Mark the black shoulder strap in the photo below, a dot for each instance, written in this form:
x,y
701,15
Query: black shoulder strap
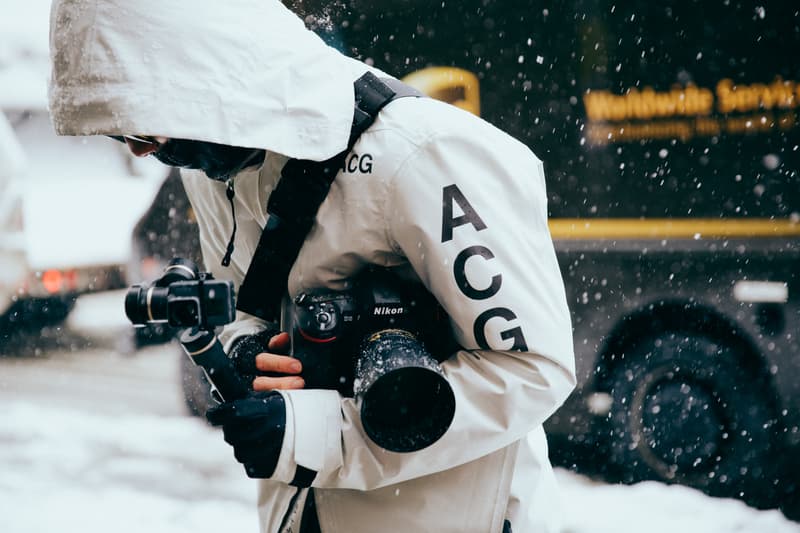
x,y
294,203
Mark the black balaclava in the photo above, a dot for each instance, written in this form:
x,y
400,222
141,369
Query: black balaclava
x,y
219,161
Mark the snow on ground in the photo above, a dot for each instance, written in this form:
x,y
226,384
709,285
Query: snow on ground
x,y
82,472
651,507
73,471
72,467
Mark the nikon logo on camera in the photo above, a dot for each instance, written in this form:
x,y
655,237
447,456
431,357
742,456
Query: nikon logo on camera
x,y
383,310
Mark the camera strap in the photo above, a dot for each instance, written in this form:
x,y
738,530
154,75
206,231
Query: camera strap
x,y
293,204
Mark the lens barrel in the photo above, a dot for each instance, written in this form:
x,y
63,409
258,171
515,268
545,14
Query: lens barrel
x,y
405,400
146,304
135,309
178,269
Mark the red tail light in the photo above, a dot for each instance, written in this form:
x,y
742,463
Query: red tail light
x,y
53,281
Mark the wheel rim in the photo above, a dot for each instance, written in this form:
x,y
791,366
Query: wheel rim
x,y
679,425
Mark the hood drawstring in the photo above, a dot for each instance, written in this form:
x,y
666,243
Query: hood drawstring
x,y
229,192
256,157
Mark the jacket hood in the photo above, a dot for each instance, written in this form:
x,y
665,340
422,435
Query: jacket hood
x,y
240,72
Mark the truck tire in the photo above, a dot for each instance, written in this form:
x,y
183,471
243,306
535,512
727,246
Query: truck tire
x,y
686,411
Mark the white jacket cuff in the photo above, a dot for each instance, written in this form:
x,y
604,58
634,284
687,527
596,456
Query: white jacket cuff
x,y
313,432
286,467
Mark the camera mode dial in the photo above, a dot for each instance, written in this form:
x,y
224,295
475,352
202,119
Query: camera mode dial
x,y
318,321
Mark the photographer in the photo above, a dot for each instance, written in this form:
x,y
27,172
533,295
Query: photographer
x,y
230,91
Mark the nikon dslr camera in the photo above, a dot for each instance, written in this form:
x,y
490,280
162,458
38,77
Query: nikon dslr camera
x,y
373,342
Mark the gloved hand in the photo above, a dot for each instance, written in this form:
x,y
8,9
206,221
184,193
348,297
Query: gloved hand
x,y
245,349
255,427
272,370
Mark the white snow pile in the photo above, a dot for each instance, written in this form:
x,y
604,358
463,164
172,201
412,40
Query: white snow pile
x,y
78,472
75,472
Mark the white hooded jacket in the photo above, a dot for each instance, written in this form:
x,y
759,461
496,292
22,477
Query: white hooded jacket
x,y
429,190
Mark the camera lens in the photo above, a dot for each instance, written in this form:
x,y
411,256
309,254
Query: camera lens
x,y
183,311
408,409
406,402
146,304
178,269
136,305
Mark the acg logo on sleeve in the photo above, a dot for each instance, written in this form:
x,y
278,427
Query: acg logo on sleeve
x,y
452,194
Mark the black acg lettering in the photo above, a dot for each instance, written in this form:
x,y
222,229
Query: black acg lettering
x,y
460,272
479,329
452,194
357,163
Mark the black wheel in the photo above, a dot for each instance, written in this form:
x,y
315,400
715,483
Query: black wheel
x,y
686,411
195,386
32,314
152,334
138,338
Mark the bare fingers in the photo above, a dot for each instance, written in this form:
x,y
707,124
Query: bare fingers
x,y
286,367
279,343
263,383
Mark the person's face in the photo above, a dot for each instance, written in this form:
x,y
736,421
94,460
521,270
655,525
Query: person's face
x,y
218,161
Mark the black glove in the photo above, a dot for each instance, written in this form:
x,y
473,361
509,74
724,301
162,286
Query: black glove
x,y
254,426
244,351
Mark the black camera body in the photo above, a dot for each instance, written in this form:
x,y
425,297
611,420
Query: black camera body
x,y
376,342
183,297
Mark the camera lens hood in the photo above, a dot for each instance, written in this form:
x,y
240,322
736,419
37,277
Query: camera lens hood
x,y
405,400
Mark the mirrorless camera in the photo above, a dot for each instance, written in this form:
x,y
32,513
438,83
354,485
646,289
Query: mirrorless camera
x,y
183,297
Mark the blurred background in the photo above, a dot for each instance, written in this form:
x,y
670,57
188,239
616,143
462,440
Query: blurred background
x,y
671,144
